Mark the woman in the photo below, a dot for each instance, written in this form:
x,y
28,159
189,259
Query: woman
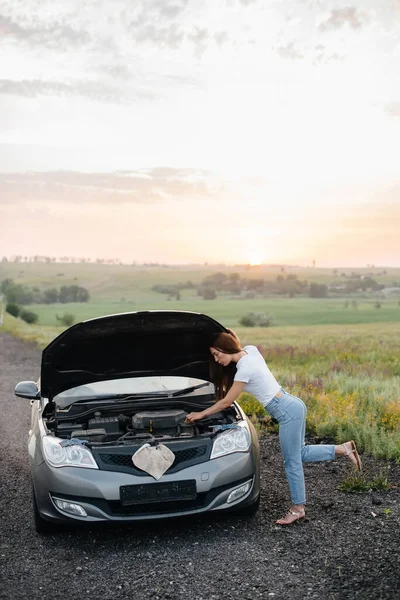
x,y
237,369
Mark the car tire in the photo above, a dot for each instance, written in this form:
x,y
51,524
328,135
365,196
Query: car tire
x,y
249,511
41,525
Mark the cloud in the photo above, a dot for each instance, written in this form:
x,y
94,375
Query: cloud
x,y
162,24
342,16
199,35
149,186
10,29
95,90
116,71
289,51
169,10
221,37
52,35
59,27
151,23
171,36
321,56
393,109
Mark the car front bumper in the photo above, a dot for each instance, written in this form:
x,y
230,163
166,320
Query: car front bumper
x,y
98,492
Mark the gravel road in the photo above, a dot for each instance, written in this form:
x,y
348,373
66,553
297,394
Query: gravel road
x,y
341,551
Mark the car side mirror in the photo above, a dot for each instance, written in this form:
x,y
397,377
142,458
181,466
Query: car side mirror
x,y
27,389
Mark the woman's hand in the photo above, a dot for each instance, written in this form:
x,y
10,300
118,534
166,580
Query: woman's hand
x,y
194,416
234,393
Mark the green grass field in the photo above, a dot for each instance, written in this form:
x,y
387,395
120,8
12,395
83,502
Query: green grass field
x,y
285,311
111,283
115,289
344,362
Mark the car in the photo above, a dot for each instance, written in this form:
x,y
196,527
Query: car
x,y
117,384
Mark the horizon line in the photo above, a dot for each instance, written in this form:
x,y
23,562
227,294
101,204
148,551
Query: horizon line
x,y
43,259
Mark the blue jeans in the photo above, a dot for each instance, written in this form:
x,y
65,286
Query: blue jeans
x,y
291,412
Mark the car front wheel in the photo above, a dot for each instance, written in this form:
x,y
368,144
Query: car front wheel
x,y
41,525
249,511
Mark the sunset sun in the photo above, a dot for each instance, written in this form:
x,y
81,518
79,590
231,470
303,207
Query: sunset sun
x,y
254,259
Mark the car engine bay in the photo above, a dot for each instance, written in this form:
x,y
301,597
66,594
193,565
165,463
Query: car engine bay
x,y
101,426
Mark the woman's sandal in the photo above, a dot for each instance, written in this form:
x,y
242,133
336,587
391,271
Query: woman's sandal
x,y
298,514
353,450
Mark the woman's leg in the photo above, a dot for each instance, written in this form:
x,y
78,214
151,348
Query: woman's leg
x,y
311,453
291,439
318,452
291,415
323,452
290,412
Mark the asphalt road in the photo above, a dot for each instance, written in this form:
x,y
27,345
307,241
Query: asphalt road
x,y
341,550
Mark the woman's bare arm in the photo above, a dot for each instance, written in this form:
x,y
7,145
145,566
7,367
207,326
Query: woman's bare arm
x,y
231,396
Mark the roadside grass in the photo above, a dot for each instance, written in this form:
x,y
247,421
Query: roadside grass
x,y
37,334
348,377
358,482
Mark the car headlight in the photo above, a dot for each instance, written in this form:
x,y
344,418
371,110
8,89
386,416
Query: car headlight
x,y
70,456
232,440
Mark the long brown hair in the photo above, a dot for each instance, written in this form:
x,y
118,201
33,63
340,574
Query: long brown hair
x,y
222,377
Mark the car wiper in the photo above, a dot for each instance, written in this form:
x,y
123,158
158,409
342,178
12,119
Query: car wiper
x,y
111,398
188,390
117,398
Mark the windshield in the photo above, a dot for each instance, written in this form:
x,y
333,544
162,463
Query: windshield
x,y
132,385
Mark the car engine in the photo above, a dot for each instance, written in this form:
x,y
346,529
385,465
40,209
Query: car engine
x,y
144,425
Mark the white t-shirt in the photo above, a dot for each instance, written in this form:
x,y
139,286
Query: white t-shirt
x,y
253,371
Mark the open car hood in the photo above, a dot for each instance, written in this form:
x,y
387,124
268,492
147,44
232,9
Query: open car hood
x,y
136,344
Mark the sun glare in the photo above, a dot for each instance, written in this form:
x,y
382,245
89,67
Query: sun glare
x,y
254,259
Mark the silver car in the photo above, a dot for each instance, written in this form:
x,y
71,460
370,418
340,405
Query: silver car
x,y
113,385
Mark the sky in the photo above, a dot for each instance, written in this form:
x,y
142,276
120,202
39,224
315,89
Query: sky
x,y
180,131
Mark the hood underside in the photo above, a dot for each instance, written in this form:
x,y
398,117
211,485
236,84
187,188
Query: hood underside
x,y
129,345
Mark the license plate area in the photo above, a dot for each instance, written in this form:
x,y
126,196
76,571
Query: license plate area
x,y
158,492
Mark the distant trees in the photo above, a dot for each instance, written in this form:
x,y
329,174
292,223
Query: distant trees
x,y
13,309
173,291
61,259
17,293
209,293
16,311
29,317
284,284
162,288
251,319
51,296
73,293
363,284
66,319
318,290
234,284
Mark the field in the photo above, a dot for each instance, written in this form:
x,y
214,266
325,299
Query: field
x,y
115,289
344,362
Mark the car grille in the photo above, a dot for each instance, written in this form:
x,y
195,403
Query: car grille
x,y
180,457
116,507
122,460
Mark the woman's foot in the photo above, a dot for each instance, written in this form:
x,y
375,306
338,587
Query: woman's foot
x,y
294,514
349,449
